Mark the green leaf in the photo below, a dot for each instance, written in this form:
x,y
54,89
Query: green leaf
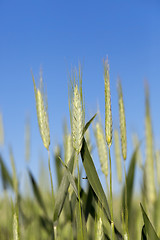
x,y
46,224
130,181
88,123
143,234
6,177
37,192
70,178
81,226
95,183
57,154
148,226
93,178
63,190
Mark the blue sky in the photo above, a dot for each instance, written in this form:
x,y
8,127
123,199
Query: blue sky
x,y
56,35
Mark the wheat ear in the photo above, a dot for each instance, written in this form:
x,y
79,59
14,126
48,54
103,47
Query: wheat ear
x,y
122,119
42,114
118,155
108,112
102,148
149,163
77,120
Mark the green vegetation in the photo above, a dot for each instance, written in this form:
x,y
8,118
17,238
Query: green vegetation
x,y
70,211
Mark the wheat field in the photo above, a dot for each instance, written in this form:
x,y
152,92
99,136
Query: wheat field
x,y
68,210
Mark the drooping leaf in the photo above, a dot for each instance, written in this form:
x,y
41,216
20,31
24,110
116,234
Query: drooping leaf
x,y
148,225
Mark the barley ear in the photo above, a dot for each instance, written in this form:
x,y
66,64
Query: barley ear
x,y
122,119
108,112
42,114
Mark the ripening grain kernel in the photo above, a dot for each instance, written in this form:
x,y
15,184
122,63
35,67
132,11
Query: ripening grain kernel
x,y
122,122
118,155
108,112
77,121
102,148
42,115
149,163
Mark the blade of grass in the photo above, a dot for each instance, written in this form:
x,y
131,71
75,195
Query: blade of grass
x,y
130,182
95,183
143,234
148,225
63,190
93,178
7,180
70,178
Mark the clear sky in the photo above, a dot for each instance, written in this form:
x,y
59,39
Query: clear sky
x,y
56,35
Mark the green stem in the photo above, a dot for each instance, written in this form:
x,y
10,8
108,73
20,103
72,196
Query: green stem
x,y
111,199
79,199
49,166
126,205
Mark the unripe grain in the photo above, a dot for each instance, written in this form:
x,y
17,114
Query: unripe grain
x,y
102,148
77,121
122,119
149,163
118,155
42,115
108,112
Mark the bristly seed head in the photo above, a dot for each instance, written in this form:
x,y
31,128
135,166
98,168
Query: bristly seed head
x,y
42,114
108,112
77,120
102,148
122,122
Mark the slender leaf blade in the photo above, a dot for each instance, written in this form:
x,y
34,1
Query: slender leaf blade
x,y
148,225
93,177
